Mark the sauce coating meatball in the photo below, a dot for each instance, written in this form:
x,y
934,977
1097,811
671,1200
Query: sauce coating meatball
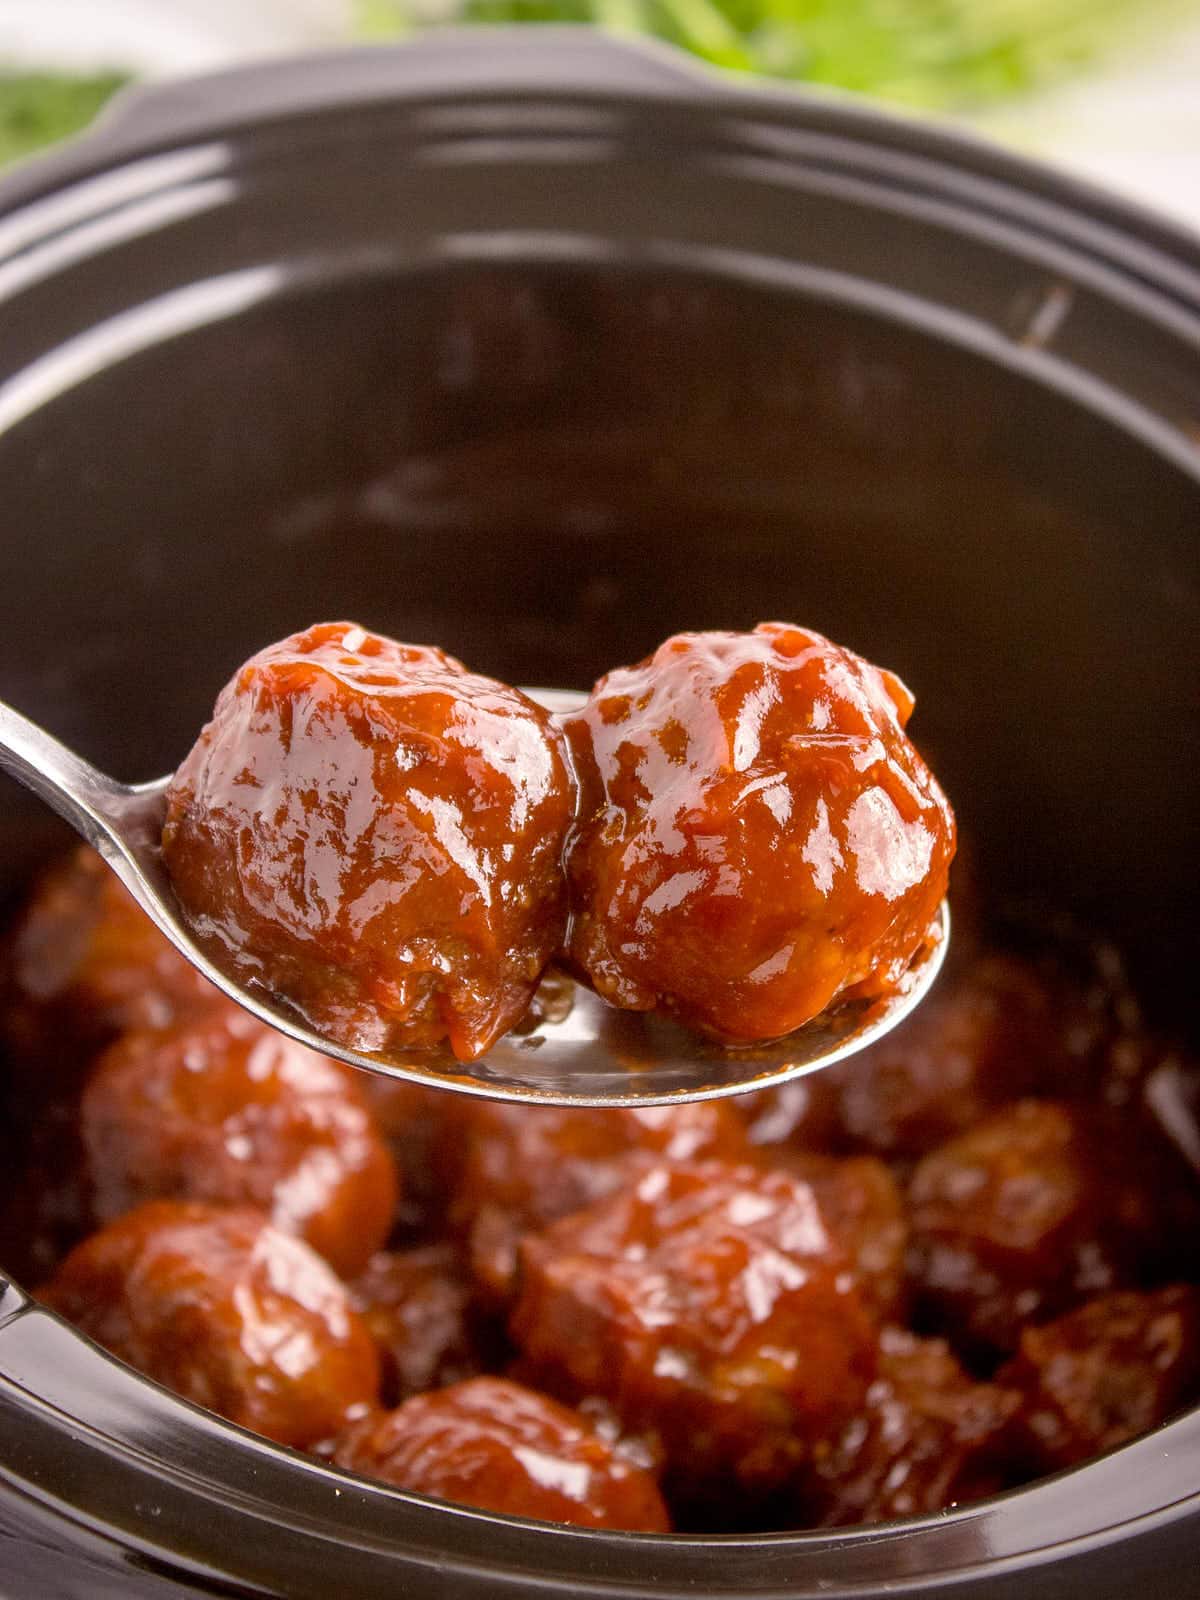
x,y
85,963
421,1309
373,832
980,1039
228,1312
995,1027
927,1437
80,965
497,1445
224,1109
525,1166
757,835
423,1129
708,1302
1033,1209
863,1208
1105,1372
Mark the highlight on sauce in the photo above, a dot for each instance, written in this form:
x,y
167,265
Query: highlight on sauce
x,y
962,1259
737,830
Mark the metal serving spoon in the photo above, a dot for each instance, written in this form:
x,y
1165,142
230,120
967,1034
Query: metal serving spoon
x,y
573,1049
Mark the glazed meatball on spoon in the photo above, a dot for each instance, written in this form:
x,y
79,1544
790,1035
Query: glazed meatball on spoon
x,y
724,867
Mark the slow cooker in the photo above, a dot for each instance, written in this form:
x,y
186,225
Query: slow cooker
x,y
542,347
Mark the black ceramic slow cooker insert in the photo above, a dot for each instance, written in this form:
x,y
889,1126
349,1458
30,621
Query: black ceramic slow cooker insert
x,y
542,348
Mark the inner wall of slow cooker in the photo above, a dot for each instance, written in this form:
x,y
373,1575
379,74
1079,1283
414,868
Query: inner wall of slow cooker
x,y
546,470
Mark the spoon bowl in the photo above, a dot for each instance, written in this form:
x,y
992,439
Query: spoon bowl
x,y
573,1048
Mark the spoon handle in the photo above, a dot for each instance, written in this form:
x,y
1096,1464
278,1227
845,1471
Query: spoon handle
x,y
85,797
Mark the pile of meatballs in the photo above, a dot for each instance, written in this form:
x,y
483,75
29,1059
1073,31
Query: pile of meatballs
x,y
964,1258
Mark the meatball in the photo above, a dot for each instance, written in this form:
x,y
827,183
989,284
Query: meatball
x,y
757,837
802,1112
81,964
85,963
710,1303
864,1210
1104,1373
227,1311
526,1166
980,1039
373,832
996,1027
497,1445
1029,1212
420,1307
928,1437
425,1129
224,1109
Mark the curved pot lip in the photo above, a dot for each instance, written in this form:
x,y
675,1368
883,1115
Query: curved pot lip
x,y
132,1438
1106,1496
576,61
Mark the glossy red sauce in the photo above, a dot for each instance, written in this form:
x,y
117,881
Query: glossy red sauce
x,y
757,837
381,837
881,1291
85,964
965,1257
927,1435
373,832
711,1303
1101,1374
518,1172
425,1314
499,1445
1034,1208
220,1306
224,1109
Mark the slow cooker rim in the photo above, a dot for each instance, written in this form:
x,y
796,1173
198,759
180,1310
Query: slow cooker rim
x,y
161,138
575,60
48,1359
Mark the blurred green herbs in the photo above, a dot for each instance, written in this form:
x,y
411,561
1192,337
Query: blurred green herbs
x,y
38,108
932,54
